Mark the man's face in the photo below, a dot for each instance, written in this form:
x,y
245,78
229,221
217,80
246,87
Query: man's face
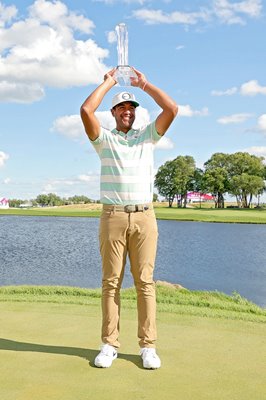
x,y
124,114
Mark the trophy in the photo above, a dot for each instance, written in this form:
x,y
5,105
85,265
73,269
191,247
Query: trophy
x,y
123,71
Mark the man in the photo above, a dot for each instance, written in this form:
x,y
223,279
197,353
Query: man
x,y
128,224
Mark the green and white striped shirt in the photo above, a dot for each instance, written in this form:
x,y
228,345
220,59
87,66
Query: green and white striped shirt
x,y
127,165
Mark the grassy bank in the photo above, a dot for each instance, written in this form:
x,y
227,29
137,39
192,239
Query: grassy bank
x,y
169,299
248,216
50,337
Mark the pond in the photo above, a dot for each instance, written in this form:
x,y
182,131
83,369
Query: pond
x,y
199,256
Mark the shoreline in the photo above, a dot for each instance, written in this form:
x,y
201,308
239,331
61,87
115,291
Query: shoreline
x,y
240,216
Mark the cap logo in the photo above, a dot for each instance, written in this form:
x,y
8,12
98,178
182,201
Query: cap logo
x,y
126,96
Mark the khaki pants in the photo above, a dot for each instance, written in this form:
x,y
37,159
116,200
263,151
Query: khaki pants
x,y
135,234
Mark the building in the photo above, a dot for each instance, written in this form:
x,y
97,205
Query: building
x,y
196,197
4,203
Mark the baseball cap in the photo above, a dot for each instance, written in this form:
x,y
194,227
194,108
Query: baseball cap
x,y
122,97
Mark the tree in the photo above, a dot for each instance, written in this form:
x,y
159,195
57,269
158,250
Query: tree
x,y
198,182
244,186
15,202
79,199
155,197
246,174
164,181
184,177
216,177
175,178
50,199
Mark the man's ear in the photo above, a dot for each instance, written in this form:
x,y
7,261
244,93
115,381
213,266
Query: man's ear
x,y
112,112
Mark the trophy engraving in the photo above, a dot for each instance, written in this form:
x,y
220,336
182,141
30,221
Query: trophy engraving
x,y
123,71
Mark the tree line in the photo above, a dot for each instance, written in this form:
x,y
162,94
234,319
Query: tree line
x,y
50,200
240,174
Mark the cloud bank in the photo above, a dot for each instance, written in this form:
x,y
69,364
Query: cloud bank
x,y
250,88
223,11
42,50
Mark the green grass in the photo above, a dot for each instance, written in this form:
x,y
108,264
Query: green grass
x,y
248,216
169,299
47,350
52,212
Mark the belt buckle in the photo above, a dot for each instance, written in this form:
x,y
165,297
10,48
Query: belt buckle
x,y
130,208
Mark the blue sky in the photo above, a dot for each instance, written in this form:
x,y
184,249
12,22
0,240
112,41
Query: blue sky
x,y
209,55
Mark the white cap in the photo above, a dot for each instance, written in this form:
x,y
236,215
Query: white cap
x,y
122,97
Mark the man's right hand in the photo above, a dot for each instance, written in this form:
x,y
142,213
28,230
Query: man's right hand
x,y
110,76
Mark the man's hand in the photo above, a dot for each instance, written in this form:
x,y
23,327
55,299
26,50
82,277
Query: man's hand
x,y
110,76
140,81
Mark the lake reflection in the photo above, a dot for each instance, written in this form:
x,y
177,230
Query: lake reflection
x,y
199,256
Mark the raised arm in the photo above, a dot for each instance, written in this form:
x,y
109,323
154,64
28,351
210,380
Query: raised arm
x,y
168,105
90,105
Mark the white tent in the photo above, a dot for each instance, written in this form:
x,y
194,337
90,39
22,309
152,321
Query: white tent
x,y
4,202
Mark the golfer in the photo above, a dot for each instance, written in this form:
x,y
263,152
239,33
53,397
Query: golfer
x,y
128,225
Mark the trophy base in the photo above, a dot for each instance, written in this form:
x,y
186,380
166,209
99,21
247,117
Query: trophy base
x,y
122,75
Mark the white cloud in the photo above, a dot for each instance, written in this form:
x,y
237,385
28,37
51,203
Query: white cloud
x,y
180,47
234,12
69,125
20,92
159,17
106,119
164,144
112,2
252,88
259,151
142,117
3,158
111,37
225,11
87,184
87,178
228,92
262,123
41,50
234,118
186,111
6,181
7,14
56,14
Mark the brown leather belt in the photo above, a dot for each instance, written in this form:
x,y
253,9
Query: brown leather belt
x,y
129,208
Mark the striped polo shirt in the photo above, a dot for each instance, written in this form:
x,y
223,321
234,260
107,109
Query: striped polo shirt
x,y
126,165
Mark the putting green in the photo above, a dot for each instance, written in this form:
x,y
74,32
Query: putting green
x,y
47,353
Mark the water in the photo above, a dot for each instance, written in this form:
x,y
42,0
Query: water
x,y
199,256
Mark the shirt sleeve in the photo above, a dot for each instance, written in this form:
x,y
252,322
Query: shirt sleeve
x,y
154,134
98,143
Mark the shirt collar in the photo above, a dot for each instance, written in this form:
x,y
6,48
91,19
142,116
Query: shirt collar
x,y
123,134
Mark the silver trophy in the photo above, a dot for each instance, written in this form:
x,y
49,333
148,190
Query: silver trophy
x,y
123,71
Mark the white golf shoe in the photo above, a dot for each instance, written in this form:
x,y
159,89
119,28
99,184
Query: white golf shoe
x,y
106,356
150,359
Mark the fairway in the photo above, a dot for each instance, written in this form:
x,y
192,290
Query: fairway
x,y
47,352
